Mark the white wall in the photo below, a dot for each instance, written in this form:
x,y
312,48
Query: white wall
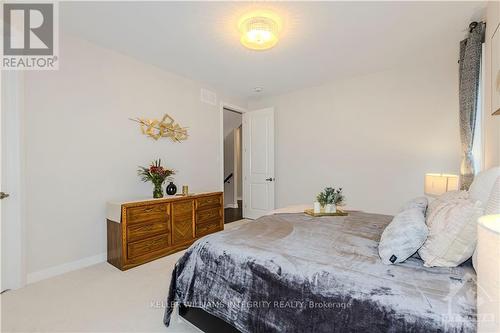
x,y
375,136
491,123
81,149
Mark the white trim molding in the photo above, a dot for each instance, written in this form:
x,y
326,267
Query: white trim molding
x,y
233,205
65,268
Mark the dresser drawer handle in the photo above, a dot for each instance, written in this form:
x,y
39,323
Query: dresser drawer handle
x,y
148,228
209,215
210,201
153,243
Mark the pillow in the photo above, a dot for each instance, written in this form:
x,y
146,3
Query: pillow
x,y
445,197
403,236
493,204
453,195
452,233
492,207
419,202
481,187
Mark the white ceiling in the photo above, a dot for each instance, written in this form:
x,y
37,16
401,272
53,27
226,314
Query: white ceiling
x,y
321,41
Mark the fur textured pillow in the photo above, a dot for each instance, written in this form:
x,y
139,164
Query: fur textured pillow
x,y
403,236
452,233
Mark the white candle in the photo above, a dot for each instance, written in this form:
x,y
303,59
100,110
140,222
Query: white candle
x,y
317,207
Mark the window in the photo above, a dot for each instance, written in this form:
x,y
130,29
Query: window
x,y
477,145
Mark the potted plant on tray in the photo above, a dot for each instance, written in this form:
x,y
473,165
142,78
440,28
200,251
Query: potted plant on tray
x,y
330,198
155,174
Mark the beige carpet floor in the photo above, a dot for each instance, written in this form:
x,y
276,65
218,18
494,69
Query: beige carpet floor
x,y
98,298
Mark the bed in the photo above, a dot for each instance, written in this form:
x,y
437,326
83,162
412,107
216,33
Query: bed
x,y
297,273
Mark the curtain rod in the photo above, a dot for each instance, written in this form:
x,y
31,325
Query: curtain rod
x,y
472,26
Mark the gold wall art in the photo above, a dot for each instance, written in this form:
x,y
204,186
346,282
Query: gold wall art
x,y
164,128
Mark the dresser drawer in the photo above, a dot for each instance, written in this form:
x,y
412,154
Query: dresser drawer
x,y
147,246
144,230
206,202
182,208
182,221
209,214
207,228
148,214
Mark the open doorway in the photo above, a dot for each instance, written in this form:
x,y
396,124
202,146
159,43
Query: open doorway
x,y
233,184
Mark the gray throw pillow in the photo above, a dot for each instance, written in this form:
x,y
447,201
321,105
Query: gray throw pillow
x,y
419,202
403,236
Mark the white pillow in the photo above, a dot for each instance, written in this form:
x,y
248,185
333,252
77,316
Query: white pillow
x,y
419,202
493,205
481,187
453,195
403,236
474,259
445,197
452,233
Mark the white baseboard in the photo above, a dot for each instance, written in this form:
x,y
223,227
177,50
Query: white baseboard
x,y
231,205
65,268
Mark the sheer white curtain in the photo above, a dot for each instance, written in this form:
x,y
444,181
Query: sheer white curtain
x,y
477,146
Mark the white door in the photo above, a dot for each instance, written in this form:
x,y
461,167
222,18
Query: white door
x,y
11,233
258,163
3,285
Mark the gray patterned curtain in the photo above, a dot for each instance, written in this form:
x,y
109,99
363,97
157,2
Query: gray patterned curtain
x,y
469,76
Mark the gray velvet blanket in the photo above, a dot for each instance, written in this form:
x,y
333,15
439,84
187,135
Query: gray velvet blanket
x,y
296,273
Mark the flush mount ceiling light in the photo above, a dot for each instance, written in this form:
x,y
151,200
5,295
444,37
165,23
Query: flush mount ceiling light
x,y
259,29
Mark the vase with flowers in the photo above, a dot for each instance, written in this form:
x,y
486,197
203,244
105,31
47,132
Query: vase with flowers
x,y
330,198
155,174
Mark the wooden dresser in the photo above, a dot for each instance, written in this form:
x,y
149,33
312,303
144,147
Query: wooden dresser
x,y
141,231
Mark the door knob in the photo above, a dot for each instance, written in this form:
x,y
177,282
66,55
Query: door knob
x,y
270,179
3,195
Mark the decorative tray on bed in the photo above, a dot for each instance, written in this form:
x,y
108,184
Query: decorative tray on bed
x,y
322,213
